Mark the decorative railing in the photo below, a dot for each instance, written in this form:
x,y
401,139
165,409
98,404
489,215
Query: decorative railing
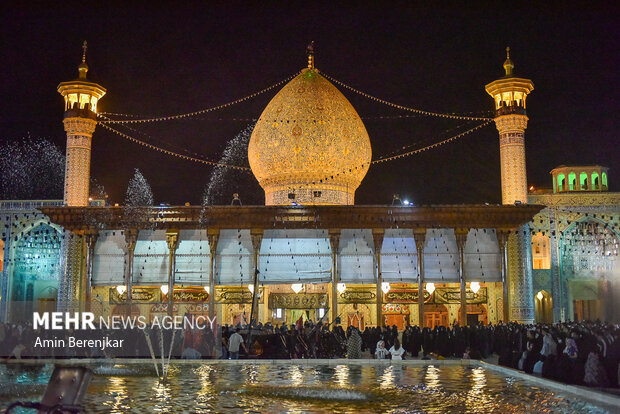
x,y
29,204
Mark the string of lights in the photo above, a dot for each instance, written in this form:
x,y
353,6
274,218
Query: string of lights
x,y
405,147
238,119
162,142
431,146
405,108
200,112
172,153
403,155
327,178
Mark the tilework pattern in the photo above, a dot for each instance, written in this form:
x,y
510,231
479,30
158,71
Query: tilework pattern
x,y
309,139
512,157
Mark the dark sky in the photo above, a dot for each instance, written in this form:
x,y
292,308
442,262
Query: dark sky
x,y
178,57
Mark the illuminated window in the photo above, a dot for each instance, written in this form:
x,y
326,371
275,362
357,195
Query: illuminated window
x,y
604,181
541,252
279,313
72,99
84,101
583,180
561,182
93,104
321,312
595,181
572,181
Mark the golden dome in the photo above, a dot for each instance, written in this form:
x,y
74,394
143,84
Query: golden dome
x,y
309,141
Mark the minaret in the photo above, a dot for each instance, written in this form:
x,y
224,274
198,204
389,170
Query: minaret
x,y
510,94
80,119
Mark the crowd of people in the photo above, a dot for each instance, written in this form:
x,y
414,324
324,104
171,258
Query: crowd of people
x,y
586,353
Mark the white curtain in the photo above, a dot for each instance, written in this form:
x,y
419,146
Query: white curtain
x,y
193,263
357,256
233,261
150,261
399,258
295,256
441,256
482,257
109,259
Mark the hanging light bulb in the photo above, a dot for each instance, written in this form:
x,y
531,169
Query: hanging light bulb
x,y
430,288
341,287
297,287
385,287
121,289
251,288
164,289
207,289
474,286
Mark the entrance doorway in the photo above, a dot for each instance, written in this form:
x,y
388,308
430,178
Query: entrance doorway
x,y
587,310
544,307
475,314
401,321
356,319
435,315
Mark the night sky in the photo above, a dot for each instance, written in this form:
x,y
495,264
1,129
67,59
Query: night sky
x,y
159,59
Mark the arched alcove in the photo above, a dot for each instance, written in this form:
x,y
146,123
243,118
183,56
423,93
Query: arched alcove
x,y
35,272
543,307
541,251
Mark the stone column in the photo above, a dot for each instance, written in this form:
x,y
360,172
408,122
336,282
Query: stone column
x,y
213,236
91,241
257,237
502,240
461,239
6,271
172,240
556,284
334,241
377,236
71,250
131,238
419,235
520,275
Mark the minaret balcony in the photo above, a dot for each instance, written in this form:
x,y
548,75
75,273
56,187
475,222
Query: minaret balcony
x,y
80,113
510,110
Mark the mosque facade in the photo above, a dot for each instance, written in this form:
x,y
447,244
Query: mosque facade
x,y
310,252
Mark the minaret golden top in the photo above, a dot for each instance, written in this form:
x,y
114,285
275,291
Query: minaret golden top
x,y
310,53
509,92
508,65
83,68
81,94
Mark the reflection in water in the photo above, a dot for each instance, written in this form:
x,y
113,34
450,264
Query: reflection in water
x,y
432,377
205,375
117,389
251,372
387,379
297,377
476,398
162,395
342,375
199,388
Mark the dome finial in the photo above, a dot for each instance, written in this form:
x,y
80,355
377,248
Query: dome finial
x,y
310,53
83,68
508,65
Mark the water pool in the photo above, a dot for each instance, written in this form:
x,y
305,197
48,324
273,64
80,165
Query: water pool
x,y
290,388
